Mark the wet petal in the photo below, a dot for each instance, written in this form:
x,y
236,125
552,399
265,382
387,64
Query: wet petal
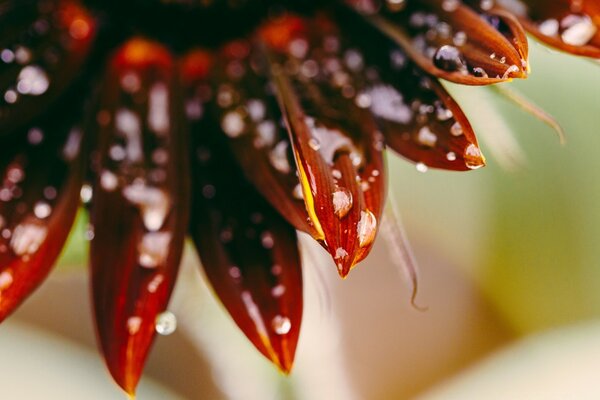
x,y
336,144
416,114
572,26
451,40
250,118
39,195
248,251
42,48
139,207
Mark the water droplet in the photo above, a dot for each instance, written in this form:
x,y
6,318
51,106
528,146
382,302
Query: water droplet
x,y
267,240
281,325
473,157
166,323
27,238
581,29
449,58
153,249
154,204
278,290
108,181
421,167
233,124
33,81
42,210
6,279
86,193
426,137
342,202
133,325
456,129
366,228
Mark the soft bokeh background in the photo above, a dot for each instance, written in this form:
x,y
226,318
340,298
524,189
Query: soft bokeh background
x,y
510,273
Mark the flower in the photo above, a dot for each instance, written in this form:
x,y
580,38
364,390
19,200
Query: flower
x,y
240,125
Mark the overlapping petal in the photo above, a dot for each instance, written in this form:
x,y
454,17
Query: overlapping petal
x,y
248,251
42,48
451,40
249,115
39,196
416,115
139,209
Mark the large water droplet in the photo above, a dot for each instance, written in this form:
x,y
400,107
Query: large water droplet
x,y
449,58
342,202
473,157
366,228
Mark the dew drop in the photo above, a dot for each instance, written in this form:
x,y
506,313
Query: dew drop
x,y
342,202
473,157
166,323
42,210
456,129
133,325
449,58
422,167
281,325
366,228
278,290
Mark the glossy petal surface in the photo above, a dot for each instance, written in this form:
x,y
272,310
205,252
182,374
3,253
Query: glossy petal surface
x,y
39,196
336,144
451,40
248,251
43,45
416,115
139,208
249,116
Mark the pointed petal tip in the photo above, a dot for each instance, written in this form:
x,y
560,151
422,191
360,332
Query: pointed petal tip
x,y
473,157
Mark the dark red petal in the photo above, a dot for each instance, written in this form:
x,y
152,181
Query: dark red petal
x,y
43,45
39,196
336,144
251,119
416,114
572,26
248,251
140,207
451,40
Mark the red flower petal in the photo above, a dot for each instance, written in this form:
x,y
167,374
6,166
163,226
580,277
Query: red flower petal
x,y
39,196
248,251
451,40
44,45
416,114
250,117
572,26
336,144
139,210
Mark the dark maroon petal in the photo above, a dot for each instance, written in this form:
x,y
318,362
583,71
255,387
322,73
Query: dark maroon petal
x,y
571,26
451,40
39,196
43,45
140,208
250,117
248,251
336,144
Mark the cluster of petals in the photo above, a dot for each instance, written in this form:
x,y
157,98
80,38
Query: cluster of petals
x,y
238,142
